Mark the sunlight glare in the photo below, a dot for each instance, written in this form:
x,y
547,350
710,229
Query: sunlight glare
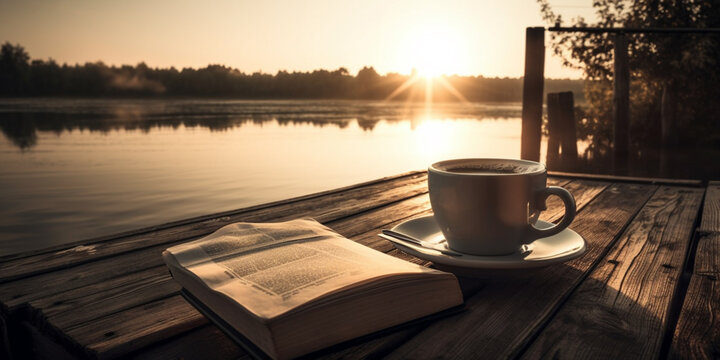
x,y
433,139
434,51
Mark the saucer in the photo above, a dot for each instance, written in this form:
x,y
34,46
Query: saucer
x,y
558,248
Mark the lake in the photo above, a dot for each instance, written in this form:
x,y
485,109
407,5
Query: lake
x,y
77,169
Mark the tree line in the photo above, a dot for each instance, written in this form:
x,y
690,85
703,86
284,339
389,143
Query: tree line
x,y
22,76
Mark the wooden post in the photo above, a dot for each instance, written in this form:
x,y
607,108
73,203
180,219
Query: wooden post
x,y
562,131
667,116
568,136
621,100
553,114
533,93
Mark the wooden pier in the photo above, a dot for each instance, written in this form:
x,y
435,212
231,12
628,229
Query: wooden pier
x,y
646,288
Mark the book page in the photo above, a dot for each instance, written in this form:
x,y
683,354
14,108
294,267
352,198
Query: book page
x,y
272,268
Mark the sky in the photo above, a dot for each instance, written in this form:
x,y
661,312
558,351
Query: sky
x,y
465,37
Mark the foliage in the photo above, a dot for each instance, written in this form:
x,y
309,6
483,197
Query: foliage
x,y
683,66
22,77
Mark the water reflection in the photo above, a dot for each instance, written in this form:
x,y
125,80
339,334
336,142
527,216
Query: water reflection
x,y
96,167
22,119
76,169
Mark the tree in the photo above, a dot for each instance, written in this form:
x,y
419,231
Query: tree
x,y
14,70
673,76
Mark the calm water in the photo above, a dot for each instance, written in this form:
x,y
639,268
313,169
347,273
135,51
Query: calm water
x,y
76,169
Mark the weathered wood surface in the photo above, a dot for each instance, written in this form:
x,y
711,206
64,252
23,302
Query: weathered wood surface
x,y
711,213
120,341
697,334
626,299
616,178
120,301
506,313
584,192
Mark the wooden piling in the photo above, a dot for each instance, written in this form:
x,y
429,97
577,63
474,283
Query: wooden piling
x,y
562,131
621,100
667,116
533,93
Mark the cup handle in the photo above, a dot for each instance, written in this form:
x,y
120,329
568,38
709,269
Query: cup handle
x,y
570,210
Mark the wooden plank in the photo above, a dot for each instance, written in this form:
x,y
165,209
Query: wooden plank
x,y
554,181
615,178
582,190
141,288
333,205
621,310
509,310
149,323
707,256
77,298
697,333
14,294
711,210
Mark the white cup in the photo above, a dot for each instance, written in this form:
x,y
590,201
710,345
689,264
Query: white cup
x,y
490,206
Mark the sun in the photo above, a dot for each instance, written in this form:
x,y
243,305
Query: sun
x,y
430,52
434,51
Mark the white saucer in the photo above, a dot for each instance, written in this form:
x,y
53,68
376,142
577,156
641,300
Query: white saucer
x,y
558,248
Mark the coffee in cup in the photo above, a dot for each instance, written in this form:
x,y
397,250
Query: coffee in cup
x,y
490,206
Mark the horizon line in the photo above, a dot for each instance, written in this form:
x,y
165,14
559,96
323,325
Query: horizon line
x,y
260,71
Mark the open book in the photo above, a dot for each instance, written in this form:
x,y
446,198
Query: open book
x,y
295,287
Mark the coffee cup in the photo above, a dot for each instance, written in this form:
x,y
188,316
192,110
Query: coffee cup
x,y
490,206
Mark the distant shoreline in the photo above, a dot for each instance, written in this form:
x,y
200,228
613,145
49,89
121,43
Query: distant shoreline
x,y
500,90
21,76
227,98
